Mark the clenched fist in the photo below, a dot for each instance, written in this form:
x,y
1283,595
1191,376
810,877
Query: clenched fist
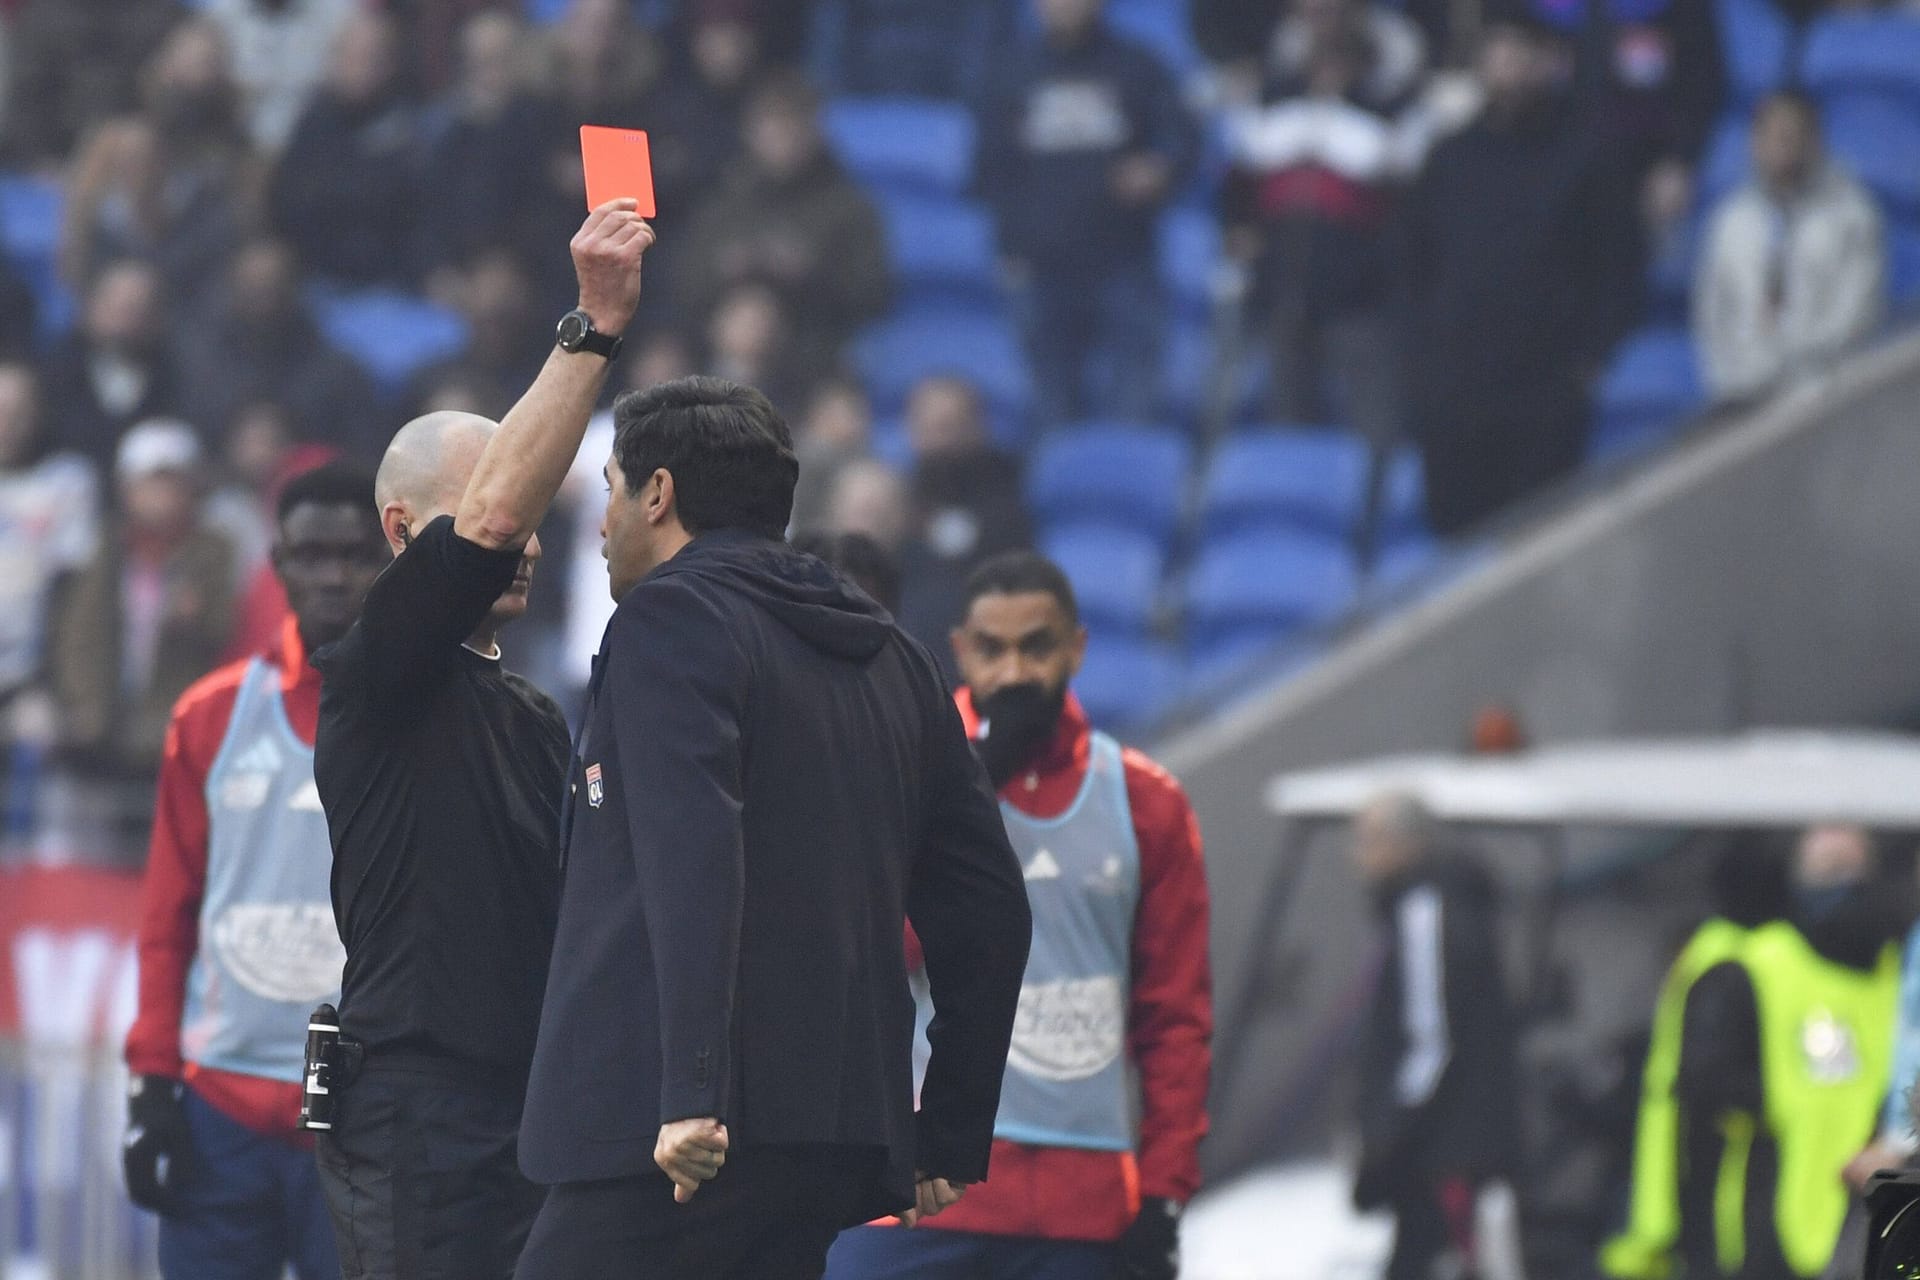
x,y
606,260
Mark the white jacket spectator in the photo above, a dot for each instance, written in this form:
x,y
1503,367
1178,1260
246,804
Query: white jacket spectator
x,y
280,52
1794,268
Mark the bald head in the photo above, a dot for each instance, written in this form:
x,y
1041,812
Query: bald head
x,y
1391,834
426,466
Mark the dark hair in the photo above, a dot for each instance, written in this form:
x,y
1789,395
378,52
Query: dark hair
x,y
331,484
725,445
1016,573
871,566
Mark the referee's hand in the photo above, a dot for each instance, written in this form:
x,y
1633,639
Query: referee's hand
x,y
691,1152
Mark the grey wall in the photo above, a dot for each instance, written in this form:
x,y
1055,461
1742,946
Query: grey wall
x,y
1767,573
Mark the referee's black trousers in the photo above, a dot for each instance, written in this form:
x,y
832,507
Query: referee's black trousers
x,y
421,1174
771,1214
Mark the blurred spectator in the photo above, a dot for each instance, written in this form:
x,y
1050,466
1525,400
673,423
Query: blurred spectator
x,y
968,491
256,341
870,498
1317,170
600,66
262,455
508,335
788,215
836,430
750,340
1081,146
907,46
657,357
1521,248
49,513
695,123
72,64
279,57
19,313
967,503
147,617
115,368
344,192
175,184
1438,1069
484,160
1794,270
1792,1037
1235,33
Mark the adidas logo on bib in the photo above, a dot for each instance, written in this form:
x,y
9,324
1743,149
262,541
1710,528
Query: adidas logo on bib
x,y
1043,867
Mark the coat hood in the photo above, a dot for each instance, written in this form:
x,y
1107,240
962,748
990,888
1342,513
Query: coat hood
x,y
809,598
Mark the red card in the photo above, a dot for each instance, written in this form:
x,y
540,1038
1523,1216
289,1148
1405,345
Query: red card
x,y
618,166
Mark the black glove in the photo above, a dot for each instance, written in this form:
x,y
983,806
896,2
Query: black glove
x,y
154,1154
1150,1248
1015,723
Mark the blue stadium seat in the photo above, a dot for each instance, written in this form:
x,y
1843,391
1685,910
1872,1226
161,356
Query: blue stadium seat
x,y
940,246
1651,385
1302,477
908,144
1189,257
1126,681
1403,502
1863,52
1115,573
1727,160
392,335
30,234
1133,476
1877,136
1162,26
1756,42
1259,586
1903,263
976,344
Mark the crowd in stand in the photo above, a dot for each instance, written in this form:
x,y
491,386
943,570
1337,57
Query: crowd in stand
x,y
1441,215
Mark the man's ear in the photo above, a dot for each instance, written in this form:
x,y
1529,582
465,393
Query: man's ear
x,y
659,499
397,524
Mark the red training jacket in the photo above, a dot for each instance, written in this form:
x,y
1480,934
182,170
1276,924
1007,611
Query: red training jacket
x,y
1060,1193
176,880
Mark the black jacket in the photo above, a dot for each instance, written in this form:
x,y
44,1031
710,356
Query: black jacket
x,y
770,781
1437,1070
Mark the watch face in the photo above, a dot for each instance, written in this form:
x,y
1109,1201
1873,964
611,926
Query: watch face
x,y
573,330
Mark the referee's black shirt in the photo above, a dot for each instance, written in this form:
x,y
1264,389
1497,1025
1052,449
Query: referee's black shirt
x,y
441,775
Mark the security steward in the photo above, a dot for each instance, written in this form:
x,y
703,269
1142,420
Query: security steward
x,y
441,774
1785,1055
1749,891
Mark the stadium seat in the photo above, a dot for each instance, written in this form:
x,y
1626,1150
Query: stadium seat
x,y
1259,586
1756,43
1903,263
1122,474
1726,162
1403,502
392,335
1162,26
1863,52
1303,477
1115,572
905,144
976,344
1126,681
1189,257
940,246
1652,383
30,233
1877,136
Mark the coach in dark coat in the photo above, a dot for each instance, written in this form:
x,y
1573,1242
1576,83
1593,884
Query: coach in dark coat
x,y
770,782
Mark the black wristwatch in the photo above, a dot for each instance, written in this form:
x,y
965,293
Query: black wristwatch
x,y
577,333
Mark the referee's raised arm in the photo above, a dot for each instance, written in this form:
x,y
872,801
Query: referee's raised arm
x,y
523,464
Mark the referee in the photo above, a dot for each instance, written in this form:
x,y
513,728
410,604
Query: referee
x,y
441,776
